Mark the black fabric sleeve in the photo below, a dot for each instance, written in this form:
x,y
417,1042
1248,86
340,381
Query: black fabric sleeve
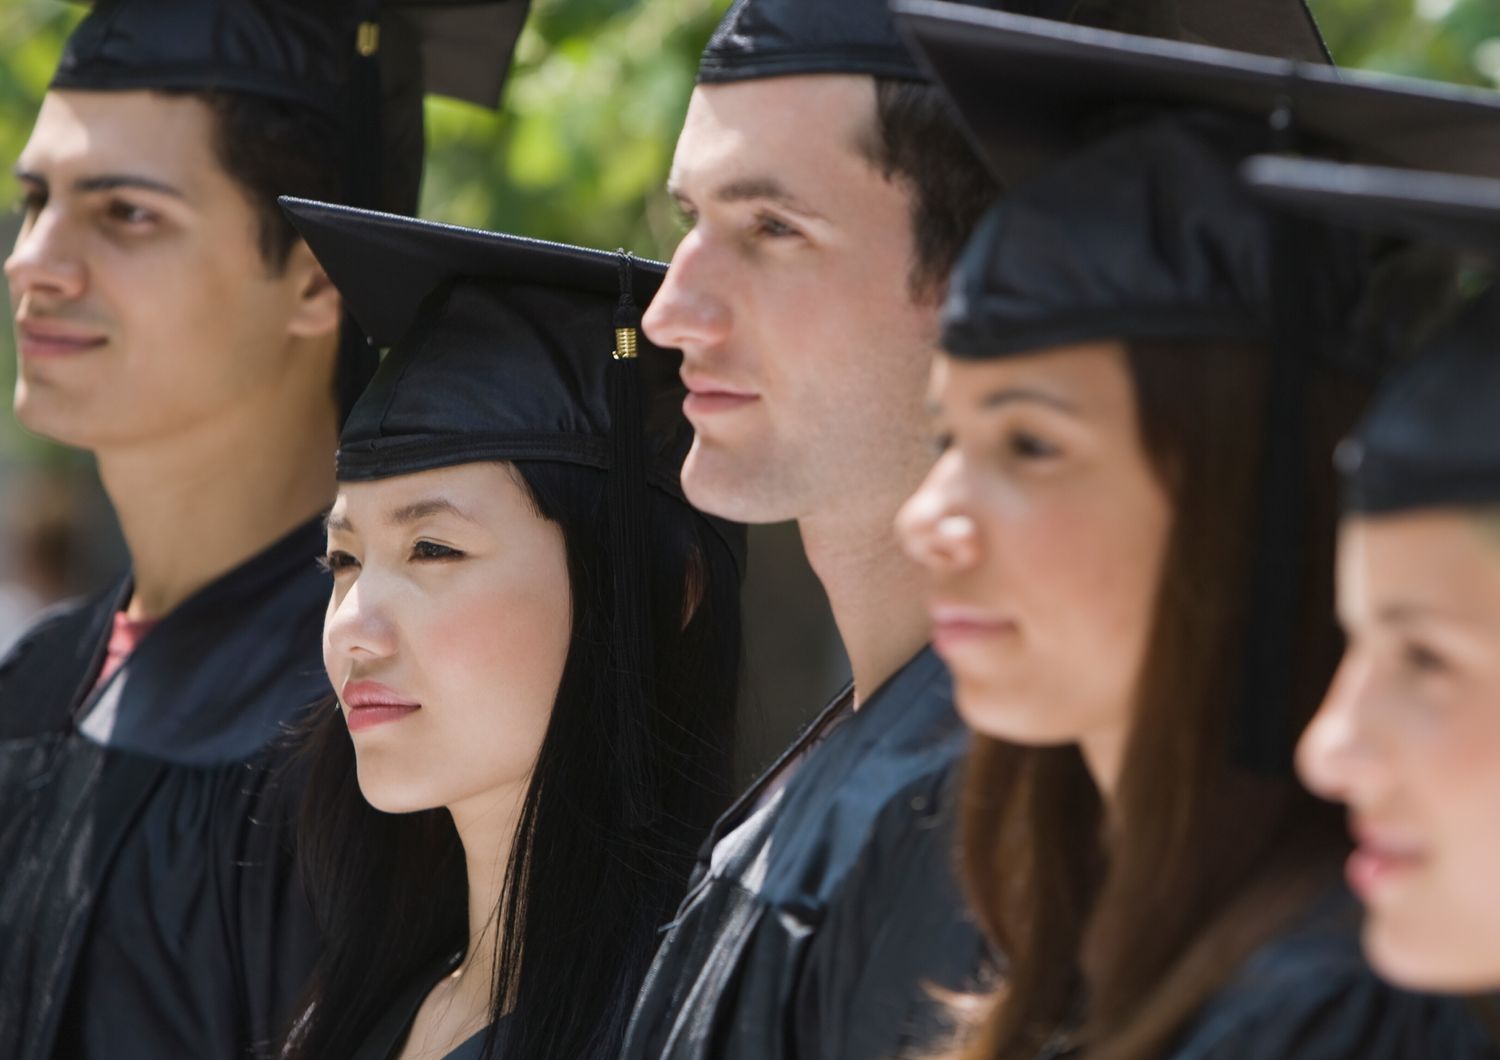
x,y
272,928
895,944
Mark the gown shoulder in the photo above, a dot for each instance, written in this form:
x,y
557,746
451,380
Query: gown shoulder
x,y
1310,995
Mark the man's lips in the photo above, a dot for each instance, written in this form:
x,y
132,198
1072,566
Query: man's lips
x,y
707,396
369,703
40,337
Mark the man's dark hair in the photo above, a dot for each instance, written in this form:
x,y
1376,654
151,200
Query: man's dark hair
x,y
917,139
272,148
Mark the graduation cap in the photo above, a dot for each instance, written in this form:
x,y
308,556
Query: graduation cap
x,y
1030,89
363,64
1432,435
780,38
513,349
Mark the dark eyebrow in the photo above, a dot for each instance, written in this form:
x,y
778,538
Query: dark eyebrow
x,y
106,182
751,189
1014,395
417,510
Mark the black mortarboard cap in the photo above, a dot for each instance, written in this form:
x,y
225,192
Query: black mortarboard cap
x,y
512,349
1147,234
781,38
364,64
1432,436
1030,89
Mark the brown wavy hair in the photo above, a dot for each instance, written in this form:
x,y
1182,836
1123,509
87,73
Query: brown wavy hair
x,y
1146,908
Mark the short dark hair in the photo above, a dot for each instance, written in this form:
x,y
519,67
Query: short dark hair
x,y
270,148
917,139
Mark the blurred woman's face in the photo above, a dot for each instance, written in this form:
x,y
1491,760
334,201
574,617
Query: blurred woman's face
x,y
1042,526
1409,739
446,633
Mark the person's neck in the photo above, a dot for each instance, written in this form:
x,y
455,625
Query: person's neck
x,y
487,829
877,595
196,505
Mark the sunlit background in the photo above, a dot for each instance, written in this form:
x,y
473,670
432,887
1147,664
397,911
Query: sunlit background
x,y
578,153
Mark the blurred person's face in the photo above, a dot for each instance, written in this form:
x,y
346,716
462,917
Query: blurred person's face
x,y
446,633
143,305
1409,739
1043,527
805,348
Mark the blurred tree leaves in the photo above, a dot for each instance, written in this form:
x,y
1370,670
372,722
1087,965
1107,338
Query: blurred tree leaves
x,y
597,95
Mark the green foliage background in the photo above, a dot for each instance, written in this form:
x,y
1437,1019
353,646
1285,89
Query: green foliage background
x,y
597,94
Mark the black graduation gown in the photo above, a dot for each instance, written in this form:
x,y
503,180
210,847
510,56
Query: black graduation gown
x,y
822,911
1310,995
388,1038
148,905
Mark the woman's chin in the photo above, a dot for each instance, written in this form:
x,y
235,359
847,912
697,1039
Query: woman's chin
x,y
1002,714
393,795
1417,958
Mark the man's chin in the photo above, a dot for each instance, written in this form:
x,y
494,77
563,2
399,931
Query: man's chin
x,y
731,484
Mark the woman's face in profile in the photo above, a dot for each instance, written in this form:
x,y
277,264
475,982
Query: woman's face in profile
x,y
1409,738
1042,526
446,633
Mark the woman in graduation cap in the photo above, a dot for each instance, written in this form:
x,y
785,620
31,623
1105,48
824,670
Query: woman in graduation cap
x,y
534,642
1130,532
1409,736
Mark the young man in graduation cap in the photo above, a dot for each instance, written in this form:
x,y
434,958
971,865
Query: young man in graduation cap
x,y
828,191
170,322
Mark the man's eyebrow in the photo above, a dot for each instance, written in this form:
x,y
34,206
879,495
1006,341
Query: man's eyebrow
x,y
417,510
336,522
751,189
105,182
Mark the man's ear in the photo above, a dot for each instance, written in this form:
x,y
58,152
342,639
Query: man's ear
x,y
319,309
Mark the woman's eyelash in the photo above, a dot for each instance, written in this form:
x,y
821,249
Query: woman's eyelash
x,y
333,562
1423,659
432,550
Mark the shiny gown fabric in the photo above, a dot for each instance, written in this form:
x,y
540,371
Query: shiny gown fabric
x,y
148,903
824,910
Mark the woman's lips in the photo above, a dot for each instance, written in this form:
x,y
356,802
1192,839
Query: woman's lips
x,y
1379,863
362,718
369,703
955,626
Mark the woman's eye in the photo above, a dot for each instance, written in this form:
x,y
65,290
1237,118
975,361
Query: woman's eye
x,y
1422,659
1028,446
333,562
425,550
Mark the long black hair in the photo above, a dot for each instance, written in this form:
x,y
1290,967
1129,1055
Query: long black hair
x,y
585,887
